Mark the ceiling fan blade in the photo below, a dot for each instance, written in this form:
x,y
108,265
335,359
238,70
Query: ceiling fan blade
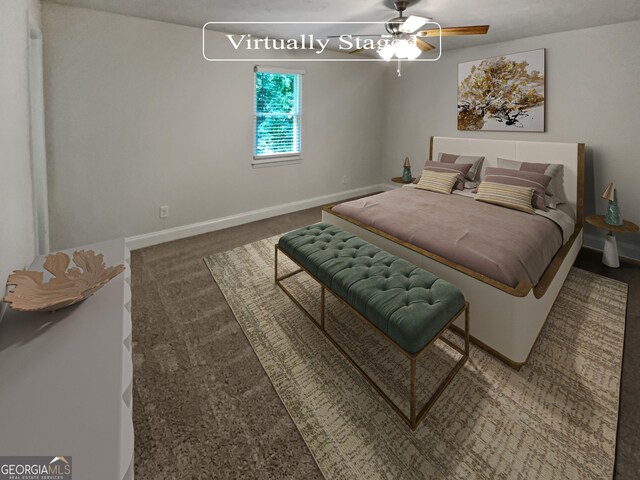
x,y
357,50
455,31
424,46
413,23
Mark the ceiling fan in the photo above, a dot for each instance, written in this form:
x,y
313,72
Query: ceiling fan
x,y
403,35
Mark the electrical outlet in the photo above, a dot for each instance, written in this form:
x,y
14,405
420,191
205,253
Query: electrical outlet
x,y
164,211
344,180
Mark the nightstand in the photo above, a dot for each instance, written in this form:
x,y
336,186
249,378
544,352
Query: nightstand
x,y
610,255
400,180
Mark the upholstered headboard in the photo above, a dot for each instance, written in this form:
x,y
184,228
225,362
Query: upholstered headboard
x,y
571,155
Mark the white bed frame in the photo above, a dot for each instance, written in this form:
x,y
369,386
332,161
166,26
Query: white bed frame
x,y
505,320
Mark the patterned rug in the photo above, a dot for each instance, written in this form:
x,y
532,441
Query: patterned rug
x,y
554,419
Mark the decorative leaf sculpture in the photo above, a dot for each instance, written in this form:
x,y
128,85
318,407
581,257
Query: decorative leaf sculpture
x,y
30,293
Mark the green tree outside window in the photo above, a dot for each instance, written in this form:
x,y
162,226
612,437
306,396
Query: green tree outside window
x,y
277,113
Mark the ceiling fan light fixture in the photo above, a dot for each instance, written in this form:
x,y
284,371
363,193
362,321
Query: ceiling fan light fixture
x,y
387,51
413,52
402,48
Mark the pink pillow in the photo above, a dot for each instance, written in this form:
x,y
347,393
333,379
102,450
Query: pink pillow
x,y
476,163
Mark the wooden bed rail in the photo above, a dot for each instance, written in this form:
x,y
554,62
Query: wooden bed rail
x,y
520,290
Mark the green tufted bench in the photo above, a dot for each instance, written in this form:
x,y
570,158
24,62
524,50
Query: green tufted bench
x,y
409,306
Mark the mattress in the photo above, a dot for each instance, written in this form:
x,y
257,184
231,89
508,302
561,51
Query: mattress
x,y
508,246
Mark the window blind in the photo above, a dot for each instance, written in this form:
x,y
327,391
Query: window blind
x,y
277,114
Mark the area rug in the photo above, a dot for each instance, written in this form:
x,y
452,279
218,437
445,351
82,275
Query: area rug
x,y
556,418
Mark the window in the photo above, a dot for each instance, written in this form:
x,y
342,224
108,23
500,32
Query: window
x,y
277,115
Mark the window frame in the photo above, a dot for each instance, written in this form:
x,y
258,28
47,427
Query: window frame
x,y
278,158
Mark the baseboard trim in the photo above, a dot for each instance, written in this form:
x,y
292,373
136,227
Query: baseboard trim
x,y
176,233
388,187
629,260
627,251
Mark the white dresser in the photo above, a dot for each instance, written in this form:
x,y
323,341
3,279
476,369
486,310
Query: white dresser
x,y
66,378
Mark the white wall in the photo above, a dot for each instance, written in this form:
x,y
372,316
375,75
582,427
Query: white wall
x,y
17,242
592,96
136,118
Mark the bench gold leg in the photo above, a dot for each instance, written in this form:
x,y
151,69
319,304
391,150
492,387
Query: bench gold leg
x,y
466,328
287,275
322,307
275,269
412,397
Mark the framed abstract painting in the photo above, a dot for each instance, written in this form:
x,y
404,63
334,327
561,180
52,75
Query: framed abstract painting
x,y
504,93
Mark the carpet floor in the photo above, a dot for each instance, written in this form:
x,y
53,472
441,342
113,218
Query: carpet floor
x,y
245,432
555,418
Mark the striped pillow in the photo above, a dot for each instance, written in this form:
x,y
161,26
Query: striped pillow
x,y
441,182
460,168
537,181
510,196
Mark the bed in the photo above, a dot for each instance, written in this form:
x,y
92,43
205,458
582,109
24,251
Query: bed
x,y
509,265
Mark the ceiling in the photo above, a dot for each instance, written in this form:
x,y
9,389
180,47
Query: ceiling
x,y
509,19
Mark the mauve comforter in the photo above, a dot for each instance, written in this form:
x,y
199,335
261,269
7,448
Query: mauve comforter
x,y
506,245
